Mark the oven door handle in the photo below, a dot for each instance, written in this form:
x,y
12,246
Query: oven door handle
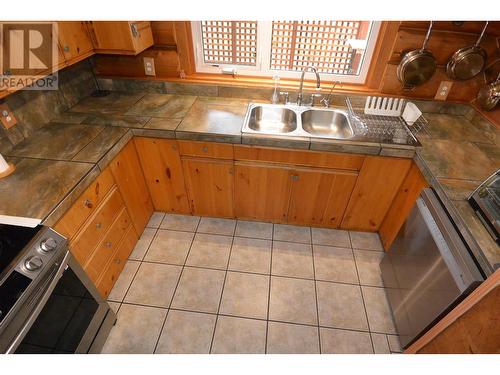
x,y
40,305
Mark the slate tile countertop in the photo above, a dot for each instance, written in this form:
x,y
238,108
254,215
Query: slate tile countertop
x,y
58,161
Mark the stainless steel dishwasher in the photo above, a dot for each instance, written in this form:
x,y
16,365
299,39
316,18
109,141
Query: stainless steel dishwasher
x,y
428,269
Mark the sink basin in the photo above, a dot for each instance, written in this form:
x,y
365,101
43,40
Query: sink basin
x,y
326,123
272,120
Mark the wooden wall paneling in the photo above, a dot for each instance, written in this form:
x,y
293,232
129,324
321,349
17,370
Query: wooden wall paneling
x,y
261,191
166,64
408,193
376,186
162,169
184,42
471,327
474,27
130,180
210,186
382,53
163,33
320,197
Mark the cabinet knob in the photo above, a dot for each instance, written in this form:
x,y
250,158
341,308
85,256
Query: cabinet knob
x,y
135,31
66,48
88,203
294,177
98,225
205,149
108,244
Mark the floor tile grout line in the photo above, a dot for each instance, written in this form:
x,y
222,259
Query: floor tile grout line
x,y
269,288
137,270
175,290
316,293
363,300
257,273
260,319
223,287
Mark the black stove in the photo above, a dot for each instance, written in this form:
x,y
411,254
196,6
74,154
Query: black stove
x,y
485,201
13,239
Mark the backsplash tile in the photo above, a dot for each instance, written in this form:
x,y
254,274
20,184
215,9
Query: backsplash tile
x,y
34,109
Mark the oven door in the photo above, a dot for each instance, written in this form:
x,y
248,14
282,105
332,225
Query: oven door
x,y
65,315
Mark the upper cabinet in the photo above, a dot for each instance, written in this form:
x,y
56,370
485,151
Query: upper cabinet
x,y
121,37
74,40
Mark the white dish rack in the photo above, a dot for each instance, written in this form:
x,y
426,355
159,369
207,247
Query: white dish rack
x,y
381,119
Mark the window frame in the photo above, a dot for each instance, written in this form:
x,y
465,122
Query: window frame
x,y
263,59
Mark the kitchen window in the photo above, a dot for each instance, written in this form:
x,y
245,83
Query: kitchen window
x,y
339,50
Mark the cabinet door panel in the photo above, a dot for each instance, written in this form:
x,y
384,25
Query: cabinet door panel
x,y
376,186
162,169
74,39
320,197
261,192
209,185
129,178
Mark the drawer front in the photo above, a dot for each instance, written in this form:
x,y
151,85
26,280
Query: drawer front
x,y
117,263
86,205
107,247
97,226
299,157
206,149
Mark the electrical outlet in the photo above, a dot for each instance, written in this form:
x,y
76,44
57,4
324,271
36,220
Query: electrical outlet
x,y
443,90
149,66
7,117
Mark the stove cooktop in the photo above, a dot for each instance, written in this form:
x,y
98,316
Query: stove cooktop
x,y
485,201
13,239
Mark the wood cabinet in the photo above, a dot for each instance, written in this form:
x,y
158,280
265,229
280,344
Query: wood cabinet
x,y
320,197
121,37
100,232
403,203
129,178
261,191
210,186
74,40
162,167
377,184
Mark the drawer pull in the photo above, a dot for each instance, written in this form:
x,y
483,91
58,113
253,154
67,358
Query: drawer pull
x,y
117,261
294,177
88,203
98,225
205,149
108,244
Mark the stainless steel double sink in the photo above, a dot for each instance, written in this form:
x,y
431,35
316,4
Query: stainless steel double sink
x,y
297,121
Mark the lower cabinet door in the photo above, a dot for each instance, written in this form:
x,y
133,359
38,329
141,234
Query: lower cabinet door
x,y
261,192
210,186
162,169
320,197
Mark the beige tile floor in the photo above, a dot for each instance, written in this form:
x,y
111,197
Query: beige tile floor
x,y
206,285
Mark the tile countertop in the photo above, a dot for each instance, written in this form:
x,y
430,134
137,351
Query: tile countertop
x,y
456,156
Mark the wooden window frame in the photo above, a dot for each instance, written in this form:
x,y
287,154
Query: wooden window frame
x,y
262,69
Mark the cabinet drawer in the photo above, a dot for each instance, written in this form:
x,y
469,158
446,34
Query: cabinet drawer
x,y
97,226
118,261
107,247
299,157
206,149
86,205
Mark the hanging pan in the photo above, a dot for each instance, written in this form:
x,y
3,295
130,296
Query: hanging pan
x,y
467,62
417,66
489,95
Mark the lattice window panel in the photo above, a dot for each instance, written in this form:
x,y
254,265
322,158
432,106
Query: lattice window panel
x,y
322,44
229,42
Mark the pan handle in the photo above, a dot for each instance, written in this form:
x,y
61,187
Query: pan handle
x,y
482,34
424,46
